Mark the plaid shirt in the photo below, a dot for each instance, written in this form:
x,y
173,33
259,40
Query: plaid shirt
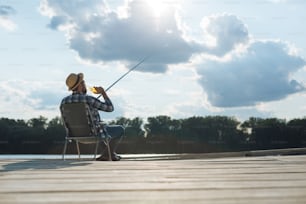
x,y
94,104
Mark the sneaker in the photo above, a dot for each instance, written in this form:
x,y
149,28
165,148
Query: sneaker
x,y
102,158
115,157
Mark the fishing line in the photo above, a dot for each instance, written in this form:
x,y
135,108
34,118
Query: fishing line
x,y
134,67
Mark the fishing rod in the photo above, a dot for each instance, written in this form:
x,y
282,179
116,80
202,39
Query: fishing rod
x,y
135,66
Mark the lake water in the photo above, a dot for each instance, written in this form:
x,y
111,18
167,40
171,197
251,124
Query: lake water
x,y
69,156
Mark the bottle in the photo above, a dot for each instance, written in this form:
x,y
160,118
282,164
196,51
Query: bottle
x,y
92,89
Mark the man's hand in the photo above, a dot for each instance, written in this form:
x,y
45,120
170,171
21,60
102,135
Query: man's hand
x,y
98,90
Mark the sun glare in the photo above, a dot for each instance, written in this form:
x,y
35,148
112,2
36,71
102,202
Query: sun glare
x,y
158,6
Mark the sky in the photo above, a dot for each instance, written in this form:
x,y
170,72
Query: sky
x,y
236,58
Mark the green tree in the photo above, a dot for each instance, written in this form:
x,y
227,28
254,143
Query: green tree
x,y
158,127
210,128
120,121
135,128
267,133
39,123
55,130
297,122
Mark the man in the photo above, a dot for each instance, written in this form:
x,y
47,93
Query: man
x,y
76,84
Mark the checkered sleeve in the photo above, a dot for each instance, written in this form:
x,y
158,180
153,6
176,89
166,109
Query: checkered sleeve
x,y
106,106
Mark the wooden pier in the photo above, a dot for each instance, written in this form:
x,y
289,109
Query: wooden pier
x,y
230,180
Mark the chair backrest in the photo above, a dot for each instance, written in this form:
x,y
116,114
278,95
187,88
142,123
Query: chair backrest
x,y
78,120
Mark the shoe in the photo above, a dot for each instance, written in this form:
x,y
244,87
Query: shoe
x,y
115,157
102,158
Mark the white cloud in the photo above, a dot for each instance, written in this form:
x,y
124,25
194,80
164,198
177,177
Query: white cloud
x,y
114,38
238,72
6,10
28,99
262,73
7,24
5,21
224,32
100,34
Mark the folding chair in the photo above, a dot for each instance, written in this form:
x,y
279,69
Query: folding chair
x,y
80,127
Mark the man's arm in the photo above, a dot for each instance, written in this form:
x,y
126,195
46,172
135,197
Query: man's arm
x,y
107,105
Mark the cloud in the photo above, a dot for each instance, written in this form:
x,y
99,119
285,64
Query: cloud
x,y
5,22
45,99
56,21
6,10
39,99
28,99
225,32
98,34
262,73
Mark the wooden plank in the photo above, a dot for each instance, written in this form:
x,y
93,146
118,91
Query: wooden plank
x,y
271,179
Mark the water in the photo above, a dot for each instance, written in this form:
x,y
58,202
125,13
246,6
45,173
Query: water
x,y
72,156
39,156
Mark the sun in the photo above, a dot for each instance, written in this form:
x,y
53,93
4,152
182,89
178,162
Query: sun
x,y
157,6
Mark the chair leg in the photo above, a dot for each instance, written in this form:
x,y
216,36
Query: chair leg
x,y
78,148
96,149
108,149
64,151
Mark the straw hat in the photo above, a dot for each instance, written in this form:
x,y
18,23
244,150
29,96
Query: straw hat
x,y
73,80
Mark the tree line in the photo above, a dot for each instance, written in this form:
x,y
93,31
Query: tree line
x,y
160,134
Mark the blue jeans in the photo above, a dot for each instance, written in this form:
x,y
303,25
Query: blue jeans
x,y
116,133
